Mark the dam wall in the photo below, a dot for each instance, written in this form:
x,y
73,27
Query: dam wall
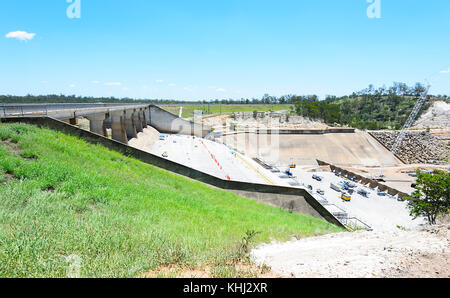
x,y
305,147
166,122
292,199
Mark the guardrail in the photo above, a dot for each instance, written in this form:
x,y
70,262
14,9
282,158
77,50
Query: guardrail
x,y
45,110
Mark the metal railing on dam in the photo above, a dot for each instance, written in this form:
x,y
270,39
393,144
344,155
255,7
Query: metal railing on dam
x,y
52,110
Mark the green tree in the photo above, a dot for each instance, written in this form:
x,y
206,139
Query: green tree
x,y
431,197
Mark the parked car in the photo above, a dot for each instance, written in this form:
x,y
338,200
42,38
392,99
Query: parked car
x,y
350,184
321,192
289,173
318,178
165,155
363,192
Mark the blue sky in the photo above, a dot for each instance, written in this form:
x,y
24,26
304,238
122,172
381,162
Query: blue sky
x,y
208,49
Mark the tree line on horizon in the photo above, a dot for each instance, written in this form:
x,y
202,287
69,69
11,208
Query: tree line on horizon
x,y
370,108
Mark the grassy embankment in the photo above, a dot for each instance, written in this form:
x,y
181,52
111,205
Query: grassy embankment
x,y
213,109
62,197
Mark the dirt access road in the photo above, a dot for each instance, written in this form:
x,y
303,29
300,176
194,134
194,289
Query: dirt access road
x,y
397,254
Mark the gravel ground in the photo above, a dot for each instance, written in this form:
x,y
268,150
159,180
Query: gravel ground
x,y
361,254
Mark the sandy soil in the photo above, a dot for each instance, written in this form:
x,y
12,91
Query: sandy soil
x,y
362,254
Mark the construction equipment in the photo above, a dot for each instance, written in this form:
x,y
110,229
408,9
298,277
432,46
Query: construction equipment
x,y
292,165
335,188
346,197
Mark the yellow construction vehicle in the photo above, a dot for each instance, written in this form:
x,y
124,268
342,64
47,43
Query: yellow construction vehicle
x,y
346,197
292,165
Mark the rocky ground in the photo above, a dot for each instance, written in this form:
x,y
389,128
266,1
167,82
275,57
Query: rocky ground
x,y
262,120
417,147
437,117
399,254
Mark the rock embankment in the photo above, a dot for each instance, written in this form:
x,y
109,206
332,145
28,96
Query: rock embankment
x,y
417,147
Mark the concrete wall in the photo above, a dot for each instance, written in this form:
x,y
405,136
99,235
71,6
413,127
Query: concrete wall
x,y
295,131
166,122
306,131
293,199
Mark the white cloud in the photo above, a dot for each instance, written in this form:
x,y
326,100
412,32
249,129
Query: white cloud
x,y
172,85
95,82
21,35
187,89
145,87
72,85
159,81
445,71
221,90
113,84
125,89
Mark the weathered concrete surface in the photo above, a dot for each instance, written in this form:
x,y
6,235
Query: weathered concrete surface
x,y
166,122
344,149
138,117
293,202
97,124
119,132
129,123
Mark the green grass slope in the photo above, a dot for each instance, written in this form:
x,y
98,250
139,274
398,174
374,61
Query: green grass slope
x,y
63,199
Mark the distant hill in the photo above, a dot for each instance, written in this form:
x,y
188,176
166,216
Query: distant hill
x,y
368,109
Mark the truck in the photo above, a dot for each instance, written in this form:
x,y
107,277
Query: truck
x,y
335,187
346,197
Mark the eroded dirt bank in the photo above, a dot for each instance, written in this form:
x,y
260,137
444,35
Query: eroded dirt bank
x,y
362,254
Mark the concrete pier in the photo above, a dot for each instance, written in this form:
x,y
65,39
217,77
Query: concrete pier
x,y
137,121
143,118
129,123
97,124
119,132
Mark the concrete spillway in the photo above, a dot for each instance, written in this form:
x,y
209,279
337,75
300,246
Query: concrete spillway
x,y
125,120
345,149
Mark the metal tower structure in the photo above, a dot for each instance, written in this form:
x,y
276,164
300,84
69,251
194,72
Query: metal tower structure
x,y
411,120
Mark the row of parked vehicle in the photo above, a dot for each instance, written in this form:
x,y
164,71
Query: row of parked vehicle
x,y
347,188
